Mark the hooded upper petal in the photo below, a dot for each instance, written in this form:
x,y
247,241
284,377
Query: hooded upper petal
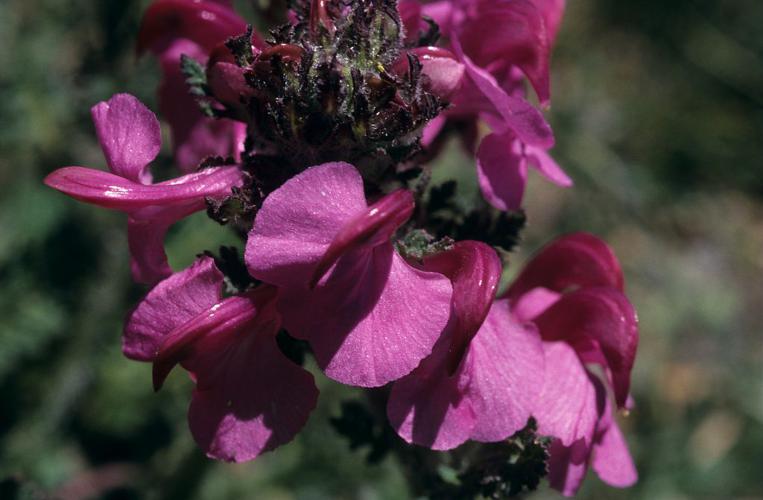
x,y
443,71
170,304
511,32
571,261
249,397
129,134
474,270
111,191
552,12
597,319
152,209
205,22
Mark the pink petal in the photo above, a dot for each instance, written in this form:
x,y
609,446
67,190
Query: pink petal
x,y
129,134
367,229
372,320
568,407
574,260
249,397
298,222
148,261
410,16
519,116
552,12
428,407
196,140
443,12
111,191
194,136
432,130
603,316
505,365
567,466
170,304
489,398
474,270
206,23
222,321
512,32
501,171
371,305
260,401
531,304
611,459
542,161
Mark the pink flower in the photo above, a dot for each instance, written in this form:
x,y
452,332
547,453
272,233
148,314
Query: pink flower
x,y
572,292
130,138
368,315
498,42
520,137
496,35
171,28
249,398
482,379
502,163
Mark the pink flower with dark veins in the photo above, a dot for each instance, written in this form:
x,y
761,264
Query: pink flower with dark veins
x,y
368,315
249,398
573,292
195,28
485,372
130,138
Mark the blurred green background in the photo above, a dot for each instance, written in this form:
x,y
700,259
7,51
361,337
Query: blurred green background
x,y
658,112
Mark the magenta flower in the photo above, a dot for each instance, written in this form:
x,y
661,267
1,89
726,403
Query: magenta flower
x,y
496,35
171,28
572,291
249,398
130,138
520,137
368,315
502,164
498,42
485,373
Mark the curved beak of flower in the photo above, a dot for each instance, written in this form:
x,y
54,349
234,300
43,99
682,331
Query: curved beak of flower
x,y
367,230
474,269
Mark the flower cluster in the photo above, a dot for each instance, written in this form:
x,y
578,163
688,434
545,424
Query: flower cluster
x,y
315,143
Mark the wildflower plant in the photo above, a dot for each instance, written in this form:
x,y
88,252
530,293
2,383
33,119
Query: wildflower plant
x,y
316,142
